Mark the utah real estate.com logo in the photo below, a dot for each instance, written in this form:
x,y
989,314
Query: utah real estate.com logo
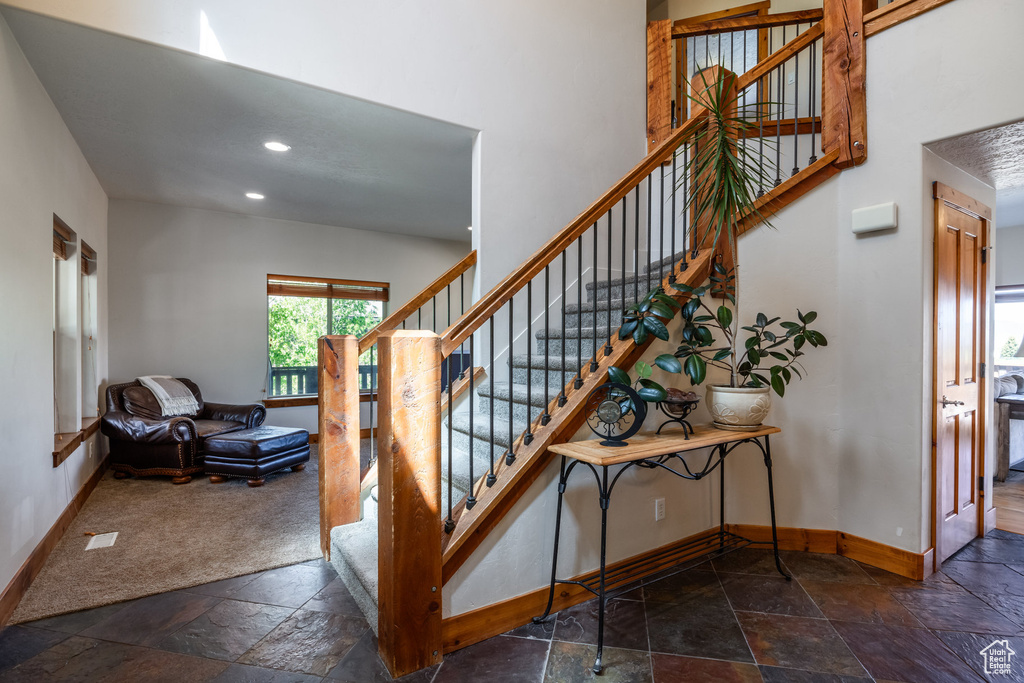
x,y
997,658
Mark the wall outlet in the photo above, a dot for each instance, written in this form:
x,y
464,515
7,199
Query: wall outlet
x,y
659,509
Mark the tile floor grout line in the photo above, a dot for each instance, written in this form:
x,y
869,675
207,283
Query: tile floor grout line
x,y
734,615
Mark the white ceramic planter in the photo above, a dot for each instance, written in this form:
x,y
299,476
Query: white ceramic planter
x,y
738,408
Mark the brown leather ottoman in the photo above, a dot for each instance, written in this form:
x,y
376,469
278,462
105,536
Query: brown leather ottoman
x,y
255,453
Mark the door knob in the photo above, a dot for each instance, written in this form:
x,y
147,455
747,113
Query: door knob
x,y
947,402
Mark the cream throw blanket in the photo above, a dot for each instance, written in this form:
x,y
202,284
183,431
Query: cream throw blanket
x,y
174,397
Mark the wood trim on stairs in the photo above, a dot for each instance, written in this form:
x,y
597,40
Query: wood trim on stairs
x,y
790,190
472,627
896,13
18,585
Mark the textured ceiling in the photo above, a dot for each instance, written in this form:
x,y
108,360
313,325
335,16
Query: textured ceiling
x,y
165,126
995,156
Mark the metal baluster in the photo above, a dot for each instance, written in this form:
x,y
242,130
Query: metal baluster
x,y
433,311
622,289
403,324
528,436
449,523
490,376
462,294
511,456
661,230
565,338
778,121
419,318
578,382
636,243
672,264
796,110
471,499
608,289
593,361
810,105
545,417
649,200
373,386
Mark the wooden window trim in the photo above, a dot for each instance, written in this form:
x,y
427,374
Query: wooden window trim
x,y
306,400
88,259
62,235
66,444
753,8
326,288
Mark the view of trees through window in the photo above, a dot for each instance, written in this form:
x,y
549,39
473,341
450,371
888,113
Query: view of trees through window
x,y
296,323
1009,332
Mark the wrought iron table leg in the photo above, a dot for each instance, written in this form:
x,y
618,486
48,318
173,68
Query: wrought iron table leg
x,y
771,502
554,557
721,497
605,496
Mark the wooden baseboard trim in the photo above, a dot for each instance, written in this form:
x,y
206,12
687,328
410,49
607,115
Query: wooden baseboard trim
x,y
468,628
15,590
314,438
990,519
790,538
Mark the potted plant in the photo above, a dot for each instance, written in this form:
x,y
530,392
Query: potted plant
x,y
726,182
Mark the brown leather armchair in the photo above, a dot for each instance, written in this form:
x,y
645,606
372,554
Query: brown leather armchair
x,y
143,442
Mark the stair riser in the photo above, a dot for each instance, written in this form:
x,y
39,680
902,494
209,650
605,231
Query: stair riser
x,y
501,408
481,447
586,319
571,346
536,376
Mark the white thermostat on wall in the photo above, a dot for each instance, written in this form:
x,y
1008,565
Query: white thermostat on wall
x,y
872,218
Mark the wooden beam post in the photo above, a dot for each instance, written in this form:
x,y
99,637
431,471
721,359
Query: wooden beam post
x,y
709,80
659,82
844,107
338,427
409,516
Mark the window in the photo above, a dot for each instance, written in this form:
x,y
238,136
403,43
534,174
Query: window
x,y
1009,327
300,310
64,330
90,378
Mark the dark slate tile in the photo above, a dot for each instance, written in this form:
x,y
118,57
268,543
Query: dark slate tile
x,y
241,673
625,624
334,598
84,660
307,642
798,643
992,550
572,662
701,626
1006,535
903,654
147,621
18,644
509,660
748,561
225,588
993,579
949,610
773,594
541,631
1010,606
287,586
860,603
774,674
682,586
226,631
969,647
884,578
674,669
75,622
362,664
822,567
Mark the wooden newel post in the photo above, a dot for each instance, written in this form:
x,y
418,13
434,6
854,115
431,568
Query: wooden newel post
x,y
338,426
409,517
659,82
843,100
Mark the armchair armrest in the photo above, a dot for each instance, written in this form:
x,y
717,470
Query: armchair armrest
x,y
252,414
123,426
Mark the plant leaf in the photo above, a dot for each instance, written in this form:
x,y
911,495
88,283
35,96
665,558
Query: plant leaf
x,y
627,329
660,309
656,327
762,320
640,335
669,363
724,316
652,395
643,370
618,375
778,385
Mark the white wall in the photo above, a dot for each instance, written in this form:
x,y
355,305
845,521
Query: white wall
x,y
557,89
1010,256
42,173
189,290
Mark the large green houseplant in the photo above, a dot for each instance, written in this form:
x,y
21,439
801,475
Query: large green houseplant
x,y
725,181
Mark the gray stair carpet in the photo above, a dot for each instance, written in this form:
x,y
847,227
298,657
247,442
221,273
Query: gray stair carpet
x,y
555,359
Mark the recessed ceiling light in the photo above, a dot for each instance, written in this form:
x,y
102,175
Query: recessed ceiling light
x,y
275,146
254,195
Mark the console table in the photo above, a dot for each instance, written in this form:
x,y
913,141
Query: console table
x,y
663,452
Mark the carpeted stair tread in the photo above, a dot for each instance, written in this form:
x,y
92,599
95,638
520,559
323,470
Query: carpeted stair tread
x,y
354,556
520,394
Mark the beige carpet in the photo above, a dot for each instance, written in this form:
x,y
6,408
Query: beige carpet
x,y
172,537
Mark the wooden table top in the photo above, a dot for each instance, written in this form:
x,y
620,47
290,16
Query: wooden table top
x,y
654,445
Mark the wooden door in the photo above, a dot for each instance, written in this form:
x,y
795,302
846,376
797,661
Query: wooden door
x,y
959,415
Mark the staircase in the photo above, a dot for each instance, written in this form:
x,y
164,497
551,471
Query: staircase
x,y
354,546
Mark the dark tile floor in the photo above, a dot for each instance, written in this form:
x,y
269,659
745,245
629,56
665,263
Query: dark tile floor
x,y
735,620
